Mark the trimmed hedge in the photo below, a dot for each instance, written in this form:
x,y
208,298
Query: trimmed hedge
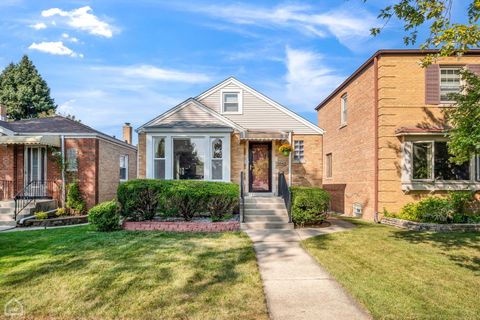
x,y
141,199
309,205
457,207
104,216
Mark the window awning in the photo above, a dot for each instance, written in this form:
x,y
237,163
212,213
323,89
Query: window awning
x,y
53,141
264,135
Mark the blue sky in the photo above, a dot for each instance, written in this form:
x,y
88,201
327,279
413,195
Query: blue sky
x,y
114,61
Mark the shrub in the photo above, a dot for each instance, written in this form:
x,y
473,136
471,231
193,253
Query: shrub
x,y
41,215
61,212
142,199
309,205
104,216
75,199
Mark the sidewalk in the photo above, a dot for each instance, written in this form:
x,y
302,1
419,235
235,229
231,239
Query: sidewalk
x,y
296,286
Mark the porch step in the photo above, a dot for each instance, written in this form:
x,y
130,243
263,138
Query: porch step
x,y
264,200
10,223
266,212
264,205
266,218
267,225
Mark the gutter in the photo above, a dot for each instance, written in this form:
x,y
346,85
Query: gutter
x,y
376,152
62,138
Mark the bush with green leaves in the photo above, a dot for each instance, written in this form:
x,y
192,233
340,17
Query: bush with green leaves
x,y
75,200
457,207
309,205
41,215
141,199
104,216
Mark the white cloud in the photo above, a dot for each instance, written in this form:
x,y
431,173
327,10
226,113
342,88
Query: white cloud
x,y
309,78
82,19
54,47
67,37
149,72
39,26
346,24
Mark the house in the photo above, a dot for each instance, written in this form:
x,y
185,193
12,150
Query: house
x,y
32,152
228,129
385,136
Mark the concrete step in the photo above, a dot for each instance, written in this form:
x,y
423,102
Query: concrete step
x,y
269,218
8,223
266,212
264,205
6,217
6,210
7,204
270,200
267,225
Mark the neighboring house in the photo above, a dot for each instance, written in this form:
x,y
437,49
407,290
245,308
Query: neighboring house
x,y
31,153
385,137
229,129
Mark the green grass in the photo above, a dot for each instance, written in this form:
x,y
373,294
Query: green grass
x,y
78,273
399,274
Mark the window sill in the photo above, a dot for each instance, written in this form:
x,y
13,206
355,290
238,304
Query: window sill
x,y
440,185
342,126
230,112
298,162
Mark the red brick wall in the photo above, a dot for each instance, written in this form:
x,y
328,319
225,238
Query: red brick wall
x,y
6,162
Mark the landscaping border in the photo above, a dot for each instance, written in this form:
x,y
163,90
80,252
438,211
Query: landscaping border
x,y
422,226
54,222
181,226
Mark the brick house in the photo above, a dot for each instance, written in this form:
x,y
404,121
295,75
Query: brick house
x,y
385,137
229,129
31,153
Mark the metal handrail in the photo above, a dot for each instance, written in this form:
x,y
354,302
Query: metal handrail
x,y
285,193
34,190
242,198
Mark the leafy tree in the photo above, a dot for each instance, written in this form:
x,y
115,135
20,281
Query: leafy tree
x,y
24,92
450,37
464,118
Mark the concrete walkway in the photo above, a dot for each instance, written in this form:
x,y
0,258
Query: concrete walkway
x,y
296,286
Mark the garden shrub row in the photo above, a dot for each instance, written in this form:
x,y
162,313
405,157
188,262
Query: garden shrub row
x,y
457,207
104,216
309,205
141,199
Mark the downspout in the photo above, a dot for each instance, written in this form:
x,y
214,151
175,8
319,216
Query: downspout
x,y
62,137
290,139
376,153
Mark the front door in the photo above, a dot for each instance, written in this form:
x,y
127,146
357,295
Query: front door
x,y
260,167
35,169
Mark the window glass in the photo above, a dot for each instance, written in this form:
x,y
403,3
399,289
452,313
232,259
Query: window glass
x,y
450,82
446,170
124,167
230,102
188,160
329,163
422,161
298,153
159,158
71,161
217,159
344,106
217,148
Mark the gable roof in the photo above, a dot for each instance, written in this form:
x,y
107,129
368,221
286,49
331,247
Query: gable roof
x,y
243,86
219,121
55,125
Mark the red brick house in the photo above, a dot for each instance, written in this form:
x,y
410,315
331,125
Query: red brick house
x,y
32,152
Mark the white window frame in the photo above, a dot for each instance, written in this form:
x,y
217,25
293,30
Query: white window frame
x,y
344,109
299,151
240,101
410,184
125,162
208,153
440,81
164,156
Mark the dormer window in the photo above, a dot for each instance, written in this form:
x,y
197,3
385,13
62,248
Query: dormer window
x,y
231,102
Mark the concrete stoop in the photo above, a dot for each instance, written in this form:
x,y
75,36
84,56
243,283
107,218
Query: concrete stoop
x,y
263,213
7,210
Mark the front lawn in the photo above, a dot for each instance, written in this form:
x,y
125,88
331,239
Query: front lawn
x,y
77,273
398,274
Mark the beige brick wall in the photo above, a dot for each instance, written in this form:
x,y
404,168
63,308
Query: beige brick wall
x,y
309,172
402,104
238,154
109,168
142,160
352,146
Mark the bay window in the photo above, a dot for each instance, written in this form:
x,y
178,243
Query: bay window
x,y
217,159
188,163
159,158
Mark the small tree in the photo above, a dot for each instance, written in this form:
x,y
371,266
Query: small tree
x,y
24,92
464,117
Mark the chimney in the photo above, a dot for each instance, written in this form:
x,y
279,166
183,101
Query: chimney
x,y
127,133
3,113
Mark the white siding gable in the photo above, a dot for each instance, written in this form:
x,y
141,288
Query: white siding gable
x,y
190,113
259,112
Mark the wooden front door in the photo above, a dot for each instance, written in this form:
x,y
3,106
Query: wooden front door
x,y
260,167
